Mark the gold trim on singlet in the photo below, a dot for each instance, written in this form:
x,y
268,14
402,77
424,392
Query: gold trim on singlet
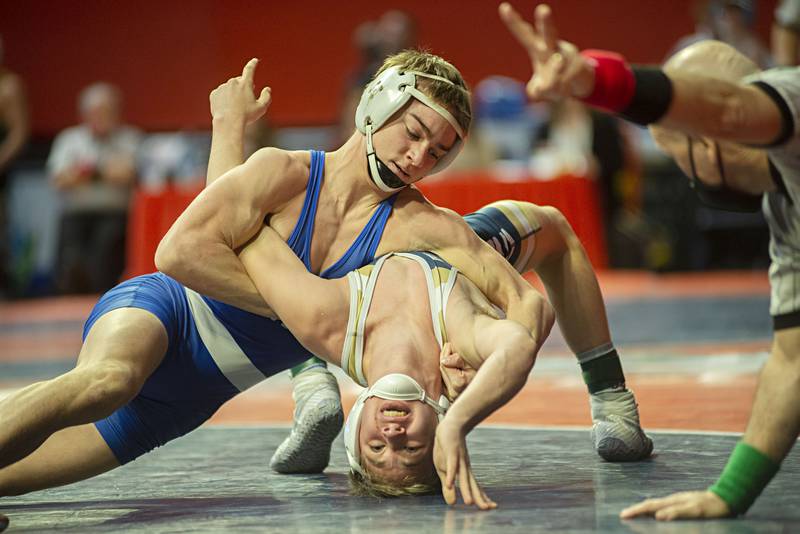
x,y
440,278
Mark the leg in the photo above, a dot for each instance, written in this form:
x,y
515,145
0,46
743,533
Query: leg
x,y
318,418
121,350
540,239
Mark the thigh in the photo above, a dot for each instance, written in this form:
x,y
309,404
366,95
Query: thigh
x,y
132,338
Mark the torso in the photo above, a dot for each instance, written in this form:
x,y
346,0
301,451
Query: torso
x,y
337,222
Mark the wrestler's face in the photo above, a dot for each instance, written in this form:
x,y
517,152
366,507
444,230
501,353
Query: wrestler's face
x,y
413,141
396,439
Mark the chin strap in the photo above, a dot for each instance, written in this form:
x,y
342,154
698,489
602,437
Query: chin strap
x,y
375,166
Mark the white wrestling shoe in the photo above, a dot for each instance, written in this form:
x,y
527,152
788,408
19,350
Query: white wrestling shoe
x,y
616,433
318,418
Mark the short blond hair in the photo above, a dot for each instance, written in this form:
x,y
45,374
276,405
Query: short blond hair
x,y
455,97
366,485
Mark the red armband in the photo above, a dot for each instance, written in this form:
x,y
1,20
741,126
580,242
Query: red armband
x,y
614,83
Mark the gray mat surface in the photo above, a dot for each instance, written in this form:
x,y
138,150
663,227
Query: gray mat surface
x,y
217,480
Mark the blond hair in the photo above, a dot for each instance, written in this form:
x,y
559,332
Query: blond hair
x,y
366,485
455,97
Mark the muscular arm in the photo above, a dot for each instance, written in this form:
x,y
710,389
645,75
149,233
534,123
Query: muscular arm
x,y
445,233
199,250
315,310
509,354
700,104
715,108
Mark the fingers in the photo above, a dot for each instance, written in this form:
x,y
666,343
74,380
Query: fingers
x,y
545,27
519,28
654,506
248,73
266,97
481,499
464,475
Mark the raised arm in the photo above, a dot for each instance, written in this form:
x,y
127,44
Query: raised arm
x,y
695,103
199,250
233,106
315,310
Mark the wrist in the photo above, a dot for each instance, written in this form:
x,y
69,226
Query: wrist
x,y
613,83
229,121
744,478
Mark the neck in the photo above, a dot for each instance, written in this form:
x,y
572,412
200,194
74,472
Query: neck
x,y
404,358
348,166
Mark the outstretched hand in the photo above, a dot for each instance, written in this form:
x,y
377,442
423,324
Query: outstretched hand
x,y
236,97
684,505
559,70
451,458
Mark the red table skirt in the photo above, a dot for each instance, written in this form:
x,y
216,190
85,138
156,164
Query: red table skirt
x,y
152,213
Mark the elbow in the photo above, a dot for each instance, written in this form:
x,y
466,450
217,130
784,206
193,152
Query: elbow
x,y
544,316
169,253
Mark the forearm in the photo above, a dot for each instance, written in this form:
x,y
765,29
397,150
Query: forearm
x,y
214,270
227,146
681,99
775,420
500,377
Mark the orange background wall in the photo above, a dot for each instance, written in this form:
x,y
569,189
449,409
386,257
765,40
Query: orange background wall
x,y
167,55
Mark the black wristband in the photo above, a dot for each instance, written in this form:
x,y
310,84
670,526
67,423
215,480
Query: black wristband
x,y
652,97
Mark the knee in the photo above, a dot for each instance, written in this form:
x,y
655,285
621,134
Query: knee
x,y
110,385
561,235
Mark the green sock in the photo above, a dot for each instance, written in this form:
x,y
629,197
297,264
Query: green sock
x,y
312,363
601,368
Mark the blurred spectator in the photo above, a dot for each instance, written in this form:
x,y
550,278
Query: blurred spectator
x,y
14,131
729,21
786,33
92,165
174,158
394,31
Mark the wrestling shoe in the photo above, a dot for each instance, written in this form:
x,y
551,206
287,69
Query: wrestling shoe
x,y
318,418
616,433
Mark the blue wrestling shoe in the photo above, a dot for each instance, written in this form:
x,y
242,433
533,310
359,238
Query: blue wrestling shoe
x,y
616,433
318,418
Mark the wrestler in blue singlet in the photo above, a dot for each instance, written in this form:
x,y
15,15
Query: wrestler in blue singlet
x,y
215,350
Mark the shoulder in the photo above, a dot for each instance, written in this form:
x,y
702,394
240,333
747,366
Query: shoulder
x,y
425,216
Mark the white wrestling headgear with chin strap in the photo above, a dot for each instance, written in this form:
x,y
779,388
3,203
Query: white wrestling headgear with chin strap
x,y
395,386
385,96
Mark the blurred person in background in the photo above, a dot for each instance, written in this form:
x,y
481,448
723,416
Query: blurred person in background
x,y
786,33
14,132
729,21
92,166
375,40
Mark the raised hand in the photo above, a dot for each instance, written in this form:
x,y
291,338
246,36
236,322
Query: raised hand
x,y
558,68
451,458
236,98
684,505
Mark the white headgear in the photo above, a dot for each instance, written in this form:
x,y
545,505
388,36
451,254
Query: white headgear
x,y
382,98
393,386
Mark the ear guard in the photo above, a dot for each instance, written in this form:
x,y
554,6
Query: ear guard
x,y
382,98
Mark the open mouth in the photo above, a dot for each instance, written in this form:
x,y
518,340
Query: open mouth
x,y
395,410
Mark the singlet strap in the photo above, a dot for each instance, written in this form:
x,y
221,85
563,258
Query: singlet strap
x,y
300,239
